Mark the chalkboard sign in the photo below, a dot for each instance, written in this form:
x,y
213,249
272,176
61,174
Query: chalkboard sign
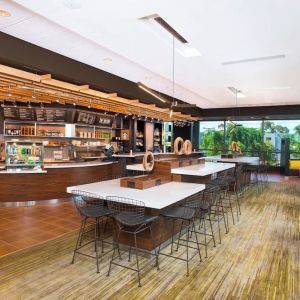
x,y
104,120
26,114
11,113
86,118
50,115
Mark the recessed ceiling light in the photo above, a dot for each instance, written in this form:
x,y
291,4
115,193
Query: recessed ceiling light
x,y
73,4
107,59
4,13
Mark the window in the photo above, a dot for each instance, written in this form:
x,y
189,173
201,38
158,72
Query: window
x,y
212,137
276,130
247,134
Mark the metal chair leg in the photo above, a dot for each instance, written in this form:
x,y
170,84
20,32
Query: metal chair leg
x,y
79,238
137,259
96,238
211,228
187,250
116,246
156,254
197,242
172,235
205,239
179,235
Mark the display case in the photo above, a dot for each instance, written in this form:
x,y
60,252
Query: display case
x,y
168,137
157,137
140,140
24,155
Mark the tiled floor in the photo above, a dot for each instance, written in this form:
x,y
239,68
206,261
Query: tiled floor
x,y
22,227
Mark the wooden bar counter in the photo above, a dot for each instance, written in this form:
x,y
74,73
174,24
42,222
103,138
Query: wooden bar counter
x,y
51,183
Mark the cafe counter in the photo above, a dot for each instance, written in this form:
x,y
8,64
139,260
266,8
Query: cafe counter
x,y
52,181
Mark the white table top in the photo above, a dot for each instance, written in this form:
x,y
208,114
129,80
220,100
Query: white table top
x,y
135,167
206,169
157,197
240,159
139,167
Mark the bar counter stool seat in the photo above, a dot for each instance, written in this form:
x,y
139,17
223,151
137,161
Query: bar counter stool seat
x,y
129,216
90,206
183,214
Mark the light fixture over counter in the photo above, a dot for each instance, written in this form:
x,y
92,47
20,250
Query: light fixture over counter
x,y
151,92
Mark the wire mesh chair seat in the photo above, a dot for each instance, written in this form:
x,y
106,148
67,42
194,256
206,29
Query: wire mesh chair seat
x,y
185,214
180,212
90,206
126,218
129,216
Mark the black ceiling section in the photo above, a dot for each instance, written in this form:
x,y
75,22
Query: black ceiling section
x,y
23,55
28,57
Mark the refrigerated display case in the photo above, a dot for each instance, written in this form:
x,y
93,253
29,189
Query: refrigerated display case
x,y
24,155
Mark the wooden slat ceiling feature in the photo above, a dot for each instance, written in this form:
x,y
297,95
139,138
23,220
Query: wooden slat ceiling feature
x,y
25,86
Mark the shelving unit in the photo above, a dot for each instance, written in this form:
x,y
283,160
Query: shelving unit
x,y
55,130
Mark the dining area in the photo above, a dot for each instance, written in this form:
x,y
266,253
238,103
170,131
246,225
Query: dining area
x,y
181,219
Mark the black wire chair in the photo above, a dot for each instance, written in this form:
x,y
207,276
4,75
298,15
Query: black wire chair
x,y
185,214
90,206
130,218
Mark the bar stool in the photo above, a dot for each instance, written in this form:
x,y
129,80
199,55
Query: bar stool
x,y
129,216
216,209
186,216
90,206
202,204
225,204
254,176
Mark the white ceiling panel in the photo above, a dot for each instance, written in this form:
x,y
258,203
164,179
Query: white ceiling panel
x,y
109,36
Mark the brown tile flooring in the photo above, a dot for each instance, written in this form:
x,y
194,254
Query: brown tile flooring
x,y
22,227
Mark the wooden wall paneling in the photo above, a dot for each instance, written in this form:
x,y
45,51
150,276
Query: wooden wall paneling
x,y
53,184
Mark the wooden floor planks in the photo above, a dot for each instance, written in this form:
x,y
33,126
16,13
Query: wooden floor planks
x,y
258,259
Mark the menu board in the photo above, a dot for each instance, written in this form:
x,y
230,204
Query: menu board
x,y
50,115
104,120
26,114
86,118
11,113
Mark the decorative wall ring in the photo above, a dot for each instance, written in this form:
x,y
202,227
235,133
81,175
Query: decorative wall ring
x,y
148,161
178,141
187,147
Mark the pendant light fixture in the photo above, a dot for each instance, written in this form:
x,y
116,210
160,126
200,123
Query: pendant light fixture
x,y
173,77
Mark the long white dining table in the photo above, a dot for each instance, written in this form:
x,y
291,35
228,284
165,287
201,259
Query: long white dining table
x,y
209,168
157,197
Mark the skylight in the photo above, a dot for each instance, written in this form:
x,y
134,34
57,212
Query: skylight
x,y
165,32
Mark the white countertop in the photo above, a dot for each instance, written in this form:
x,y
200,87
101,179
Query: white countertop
x,y
137,154
128,155
206,169
77,165
135,167
157,197
23,172
240,159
